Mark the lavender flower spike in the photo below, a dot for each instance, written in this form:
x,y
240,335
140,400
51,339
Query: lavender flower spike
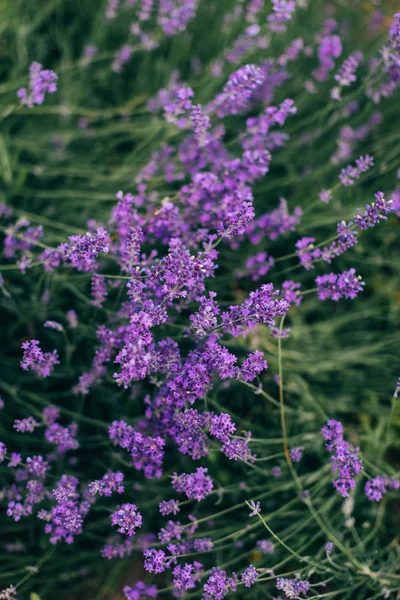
x,y
41,81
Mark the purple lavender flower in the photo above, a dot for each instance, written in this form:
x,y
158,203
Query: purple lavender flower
x,y
110,483
174,15
290,292
99,290
127,518
349,174
201,123
374,213
266,546
344,457
203,544
175,530
237,92
283,10
262,306
346,74
9,593
41,81
21,237
111,9
255,508
117,549
177,104
274,224
334,287
257,266
16,510
348,464
3,451
397,390
205,318
189,434
307,252
26,425
53,325
329,49
50,415
328,547
169,506
237,220
83,250
396,202
65,520
155,560
16,460
51,259
332,433
185,576
292,587
237,449
252,366
222,427
72,319
140,591
89,52
41,363
63,437
296,454
195,485
123,56
219,584
37,466
147,453
325,196
249,576
375,488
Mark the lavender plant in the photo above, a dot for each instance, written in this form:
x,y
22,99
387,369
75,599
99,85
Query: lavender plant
x,y
199,217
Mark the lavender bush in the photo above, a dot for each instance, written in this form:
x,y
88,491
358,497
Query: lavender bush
x,y
199,214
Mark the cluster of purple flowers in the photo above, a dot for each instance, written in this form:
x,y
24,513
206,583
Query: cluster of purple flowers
x,y
167,336
219,584
127,518
282,12
346,75
296,454
266,546
174,15
34,359
292,588
262,306
345,459
376,488
373,213
334,287
330,48
65,520
350,174
111,482
41,82
195,485
146,452
140,591
249,576
186,576
237,92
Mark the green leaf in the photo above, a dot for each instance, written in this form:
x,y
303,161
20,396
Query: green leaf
x,y
34,596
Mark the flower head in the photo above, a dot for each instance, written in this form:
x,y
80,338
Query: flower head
x,y
41,82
